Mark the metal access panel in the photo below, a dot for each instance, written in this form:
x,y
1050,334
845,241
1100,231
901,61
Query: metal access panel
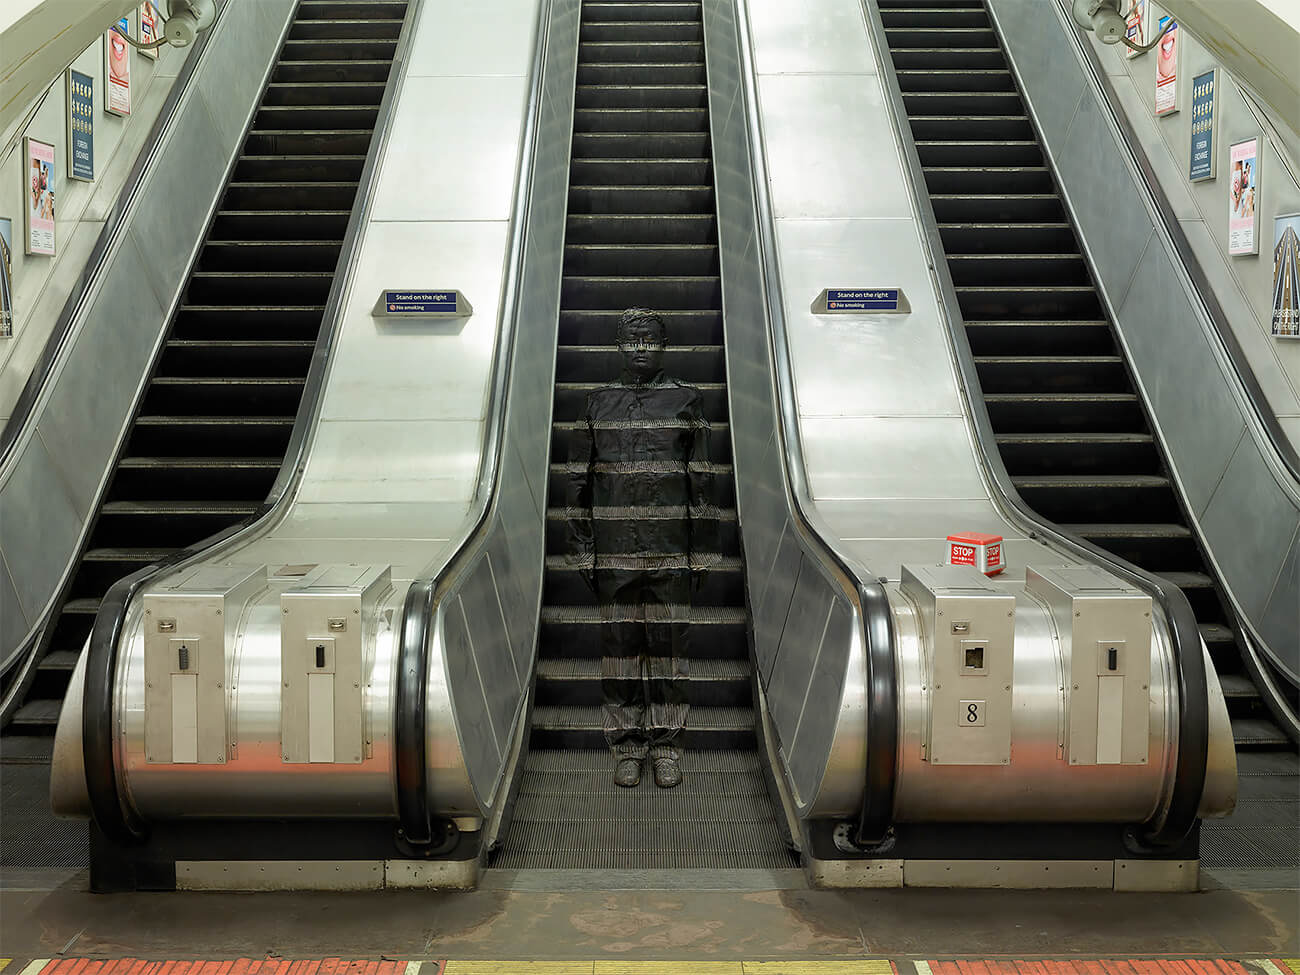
x,y
323,630
1104,627
969,629
189,635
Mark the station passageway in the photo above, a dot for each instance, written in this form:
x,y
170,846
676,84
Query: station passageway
x,y
321,626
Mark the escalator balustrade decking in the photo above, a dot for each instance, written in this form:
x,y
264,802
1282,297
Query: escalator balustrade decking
x,y
641,230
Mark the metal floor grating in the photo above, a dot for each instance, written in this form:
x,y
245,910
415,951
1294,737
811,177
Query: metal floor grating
x,y
571,816
31,838
1264,831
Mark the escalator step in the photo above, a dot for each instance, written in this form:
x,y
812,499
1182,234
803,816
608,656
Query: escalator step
x,y
60,660
1258,733
38,713
578,726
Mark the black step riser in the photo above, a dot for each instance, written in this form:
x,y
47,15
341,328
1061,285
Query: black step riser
x,y
684,327
666,293
289,196
648,31
658,73
703,693
1052,377
719,443
557,536
564,587
720,641
241,256
724,487
594,738
1089,459
584,365
570,404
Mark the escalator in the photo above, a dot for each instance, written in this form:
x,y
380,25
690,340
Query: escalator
x,y
1070,426
641,230
214,419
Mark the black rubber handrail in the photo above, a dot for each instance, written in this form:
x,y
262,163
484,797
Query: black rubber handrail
x,y
876,818
1170,827
98,707
115,819
410,768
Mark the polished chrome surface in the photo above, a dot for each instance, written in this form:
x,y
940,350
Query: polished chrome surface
x,y
79,399
1228,455
487,597
808,624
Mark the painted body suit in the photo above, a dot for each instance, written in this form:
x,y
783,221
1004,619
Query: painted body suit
x,y
642,521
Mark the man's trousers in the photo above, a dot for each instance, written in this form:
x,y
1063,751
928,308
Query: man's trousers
x,y
645,632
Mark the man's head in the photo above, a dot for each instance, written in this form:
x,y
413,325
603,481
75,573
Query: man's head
x,y
641,340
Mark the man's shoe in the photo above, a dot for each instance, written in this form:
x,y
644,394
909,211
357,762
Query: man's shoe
x,y
667,773
627,773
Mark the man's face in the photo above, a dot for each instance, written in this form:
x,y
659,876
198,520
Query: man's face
x,y
642,347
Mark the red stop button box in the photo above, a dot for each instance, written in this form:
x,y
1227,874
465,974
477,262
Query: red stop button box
x,y
984,552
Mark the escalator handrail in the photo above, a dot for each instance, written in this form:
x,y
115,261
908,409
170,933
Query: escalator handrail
x,y
84,288
110,813
1168,827
868,597
420,613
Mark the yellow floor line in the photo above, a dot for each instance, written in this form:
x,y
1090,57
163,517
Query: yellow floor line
x,y
669,968
518,968
879,966
4,963
1292,963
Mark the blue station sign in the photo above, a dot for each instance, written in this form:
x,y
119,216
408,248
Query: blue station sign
x,y
857,299
422,303
850,301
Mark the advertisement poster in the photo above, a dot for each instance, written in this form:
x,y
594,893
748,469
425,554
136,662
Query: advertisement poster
x,y
117,71
149,28
6,278
1201,160
1137,26
1243,218
1167,69
39,194
81,125
1286,276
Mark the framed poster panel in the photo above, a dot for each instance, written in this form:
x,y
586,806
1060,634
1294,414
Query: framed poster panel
x,y
1286,276
81,126
38,194
117,70
1243,192
1201,155
1137,27
148,28
1167,67
6,278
